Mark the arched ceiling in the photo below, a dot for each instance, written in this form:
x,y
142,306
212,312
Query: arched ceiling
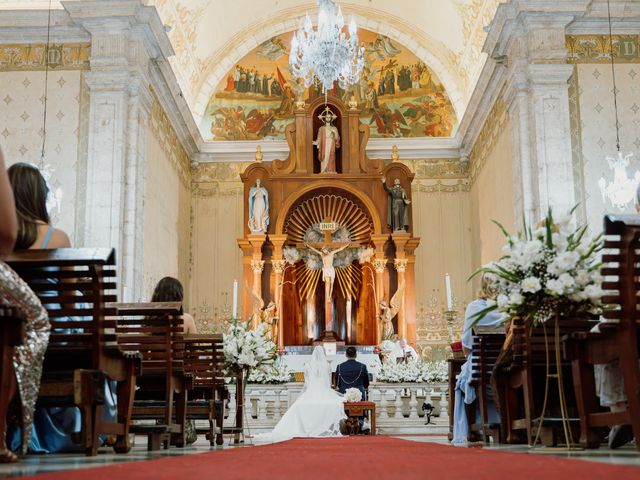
x,y
209,36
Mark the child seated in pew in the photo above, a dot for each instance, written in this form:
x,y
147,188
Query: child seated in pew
x,y
52,427
465,392
15,293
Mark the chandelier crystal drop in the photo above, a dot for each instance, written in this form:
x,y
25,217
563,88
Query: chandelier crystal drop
x,y
326,54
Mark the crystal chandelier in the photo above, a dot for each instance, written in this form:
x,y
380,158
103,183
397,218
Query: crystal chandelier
x,y
326,54
622,190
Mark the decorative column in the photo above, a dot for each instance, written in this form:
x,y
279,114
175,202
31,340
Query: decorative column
x,y
257,266
123,43
254,265
278,269
530,39
379,265
401,268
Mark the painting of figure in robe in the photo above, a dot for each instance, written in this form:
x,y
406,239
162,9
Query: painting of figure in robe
x,y
398,95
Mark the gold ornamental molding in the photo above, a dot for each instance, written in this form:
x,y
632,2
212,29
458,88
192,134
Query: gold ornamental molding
x,y
438,168
596,48
171,146
64,56
441,187
491,130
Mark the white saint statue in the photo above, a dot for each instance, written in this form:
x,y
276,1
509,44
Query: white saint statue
x,y
328,270
258,208
328,141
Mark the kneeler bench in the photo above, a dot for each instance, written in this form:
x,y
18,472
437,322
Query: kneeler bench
x,y
358,409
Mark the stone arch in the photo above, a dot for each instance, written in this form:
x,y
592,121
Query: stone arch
x,y
428,50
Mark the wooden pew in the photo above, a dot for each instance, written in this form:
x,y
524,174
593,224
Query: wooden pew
x,y
12,334
617,340
488,342
204,360
74,286
155,330
520,375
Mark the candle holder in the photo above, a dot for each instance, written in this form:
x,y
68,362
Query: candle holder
x,y
450,317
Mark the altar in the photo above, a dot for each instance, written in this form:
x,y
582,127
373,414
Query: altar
x,y
296,357
328,247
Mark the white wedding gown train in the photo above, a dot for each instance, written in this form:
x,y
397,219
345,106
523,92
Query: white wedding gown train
x,y
317,411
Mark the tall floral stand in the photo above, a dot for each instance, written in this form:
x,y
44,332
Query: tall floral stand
x,y
554,372
238,430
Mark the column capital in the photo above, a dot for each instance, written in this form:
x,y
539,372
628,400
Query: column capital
x,y
257,266
279,266
401,264
379,264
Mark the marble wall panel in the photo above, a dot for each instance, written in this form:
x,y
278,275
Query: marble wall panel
x,y
21,132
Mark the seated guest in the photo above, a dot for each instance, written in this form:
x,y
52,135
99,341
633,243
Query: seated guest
x,y
52,427
465,408
15,293
170,289
352,374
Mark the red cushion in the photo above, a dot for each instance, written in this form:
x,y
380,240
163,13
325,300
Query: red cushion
x,y
456,347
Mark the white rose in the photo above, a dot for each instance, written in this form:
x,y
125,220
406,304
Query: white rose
x,y
531,285
594,292
582,277
555,287
567,280
502,300
516,298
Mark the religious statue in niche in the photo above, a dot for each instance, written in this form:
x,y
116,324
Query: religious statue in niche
x,y
328,141
397,206
258,208
388,312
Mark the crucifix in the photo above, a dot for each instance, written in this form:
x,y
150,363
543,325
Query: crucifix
x,y
327,251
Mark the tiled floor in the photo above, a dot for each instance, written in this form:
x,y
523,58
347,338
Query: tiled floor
x,y
34,464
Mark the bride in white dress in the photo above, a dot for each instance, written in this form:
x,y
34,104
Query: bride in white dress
x,y
317,411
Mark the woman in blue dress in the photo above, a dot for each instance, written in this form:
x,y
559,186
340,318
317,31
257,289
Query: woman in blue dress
x,y
53,426
465,392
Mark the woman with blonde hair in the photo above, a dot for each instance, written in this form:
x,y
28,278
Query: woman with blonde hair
x,y
465,408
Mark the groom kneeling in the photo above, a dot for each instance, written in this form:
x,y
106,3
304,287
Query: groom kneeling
x,y
352,374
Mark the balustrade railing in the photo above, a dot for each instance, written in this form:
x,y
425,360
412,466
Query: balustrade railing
x,y
399,406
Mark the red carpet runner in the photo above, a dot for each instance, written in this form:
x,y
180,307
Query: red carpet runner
x,y
355,458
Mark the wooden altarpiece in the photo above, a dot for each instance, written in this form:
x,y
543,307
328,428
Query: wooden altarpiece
x,y
301,198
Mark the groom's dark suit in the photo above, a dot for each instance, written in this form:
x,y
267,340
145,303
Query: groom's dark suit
x,y
352,374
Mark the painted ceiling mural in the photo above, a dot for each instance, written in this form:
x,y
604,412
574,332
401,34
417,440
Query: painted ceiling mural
x,y
398,95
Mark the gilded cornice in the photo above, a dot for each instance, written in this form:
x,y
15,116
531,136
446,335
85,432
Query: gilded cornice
x,y
596,48
65,56
491,130
166,135
433,168
441,187
217,179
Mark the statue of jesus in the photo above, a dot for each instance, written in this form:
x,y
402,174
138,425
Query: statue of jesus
x,y
328,270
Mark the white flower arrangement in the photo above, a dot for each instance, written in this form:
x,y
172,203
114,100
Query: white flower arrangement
x,y
548,271
246,349
275,374
352,395
435,372
400,372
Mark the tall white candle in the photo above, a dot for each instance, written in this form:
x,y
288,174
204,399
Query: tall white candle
x,y
447,284
235,299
